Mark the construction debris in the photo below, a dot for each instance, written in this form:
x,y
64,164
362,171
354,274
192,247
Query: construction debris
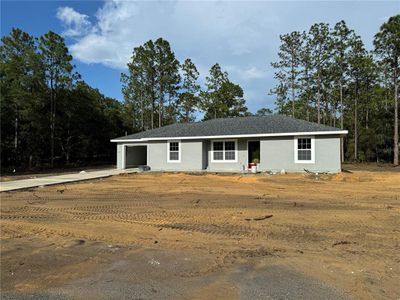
x,y
341,243
315,173
259,218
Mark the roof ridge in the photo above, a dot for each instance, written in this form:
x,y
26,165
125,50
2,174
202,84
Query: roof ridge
x,y
239,126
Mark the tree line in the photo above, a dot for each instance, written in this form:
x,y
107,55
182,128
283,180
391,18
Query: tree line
x,y
326,75
49,115
158,90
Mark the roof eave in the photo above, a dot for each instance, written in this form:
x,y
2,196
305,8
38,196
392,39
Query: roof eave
x,y
333,132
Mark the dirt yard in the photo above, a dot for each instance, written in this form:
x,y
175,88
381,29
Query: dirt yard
x,y
193,236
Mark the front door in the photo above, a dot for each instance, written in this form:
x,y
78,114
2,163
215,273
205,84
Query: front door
x,y
253,149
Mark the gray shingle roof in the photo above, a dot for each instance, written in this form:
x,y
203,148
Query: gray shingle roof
x,y
232,126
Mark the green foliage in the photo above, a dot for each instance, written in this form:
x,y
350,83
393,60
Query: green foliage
x,y
46,111
288,72
222,98
387,48
262,112
49,115
327,76
153,78
189,100
57,67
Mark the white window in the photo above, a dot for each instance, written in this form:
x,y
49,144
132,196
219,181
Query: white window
x,y
304,150
224,151
174,152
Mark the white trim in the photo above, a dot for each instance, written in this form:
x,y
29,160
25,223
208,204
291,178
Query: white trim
x,y
179,151
296,160
223,151
337,132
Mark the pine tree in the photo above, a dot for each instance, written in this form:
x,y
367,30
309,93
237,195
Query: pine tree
x,y
189,99
58,72
168,79
21,85
222,98
319,44
288,66
387,47
153,77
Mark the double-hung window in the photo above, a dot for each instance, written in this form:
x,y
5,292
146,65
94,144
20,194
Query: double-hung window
x,y
224,151
174,151
304,148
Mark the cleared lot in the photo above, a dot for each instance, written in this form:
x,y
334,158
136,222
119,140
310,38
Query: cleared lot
x,y
188,235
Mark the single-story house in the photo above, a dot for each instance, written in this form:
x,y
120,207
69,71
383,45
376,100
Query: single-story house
x,y
274,142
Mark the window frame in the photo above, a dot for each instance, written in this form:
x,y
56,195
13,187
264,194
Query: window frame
x,y
296,153
223,160
169,151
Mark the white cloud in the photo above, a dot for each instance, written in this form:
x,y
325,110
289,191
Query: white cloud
x,y
253,73
243,37
77,24
247,73
209,31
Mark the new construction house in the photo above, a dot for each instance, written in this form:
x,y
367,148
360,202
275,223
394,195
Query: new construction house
x,y
273,143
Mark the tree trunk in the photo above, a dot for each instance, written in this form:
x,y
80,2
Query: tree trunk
x,y
326,113
334,114
187,113
16,141
141,111
152,106
396,120
52,109
161,107
133,117
292,81
341,122
341,106
319,101
355,127
292,102
307,97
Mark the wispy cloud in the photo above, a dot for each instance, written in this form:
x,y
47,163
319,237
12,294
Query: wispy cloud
x,y
211,29
76,24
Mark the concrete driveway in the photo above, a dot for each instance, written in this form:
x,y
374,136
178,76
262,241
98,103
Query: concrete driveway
x,y
49,180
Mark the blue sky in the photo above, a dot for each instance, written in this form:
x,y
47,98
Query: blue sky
x,y
242,36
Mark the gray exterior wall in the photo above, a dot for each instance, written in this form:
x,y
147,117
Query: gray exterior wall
x,y
279,153
275,154
191,156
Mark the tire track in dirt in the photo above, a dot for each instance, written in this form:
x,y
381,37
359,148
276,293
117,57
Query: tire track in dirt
x,y
126,213
213,229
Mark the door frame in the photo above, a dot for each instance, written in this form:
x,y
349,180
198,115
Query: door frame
x,y
247,150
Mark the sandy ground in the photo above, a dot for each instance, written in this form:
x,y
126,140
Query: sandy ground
x,y
192,236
